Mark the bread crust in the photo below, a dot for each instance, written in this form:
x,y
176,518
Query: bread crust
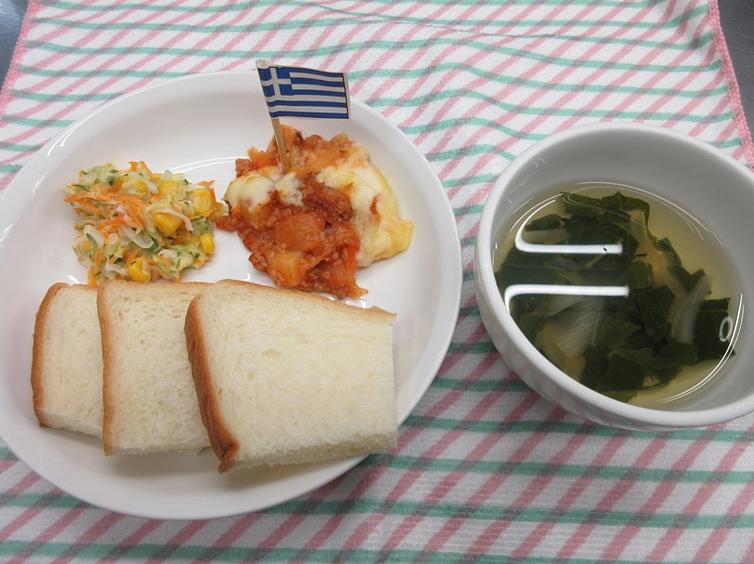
x,y
223,442
107,402
37,366
310,298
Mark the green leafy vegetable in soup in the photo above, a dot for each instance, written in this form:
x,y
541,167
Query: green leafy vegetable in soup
x,y
638,318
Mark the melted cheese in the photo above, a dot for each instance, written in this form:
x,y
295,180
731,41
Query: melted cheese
x,y
383,234
255,189
376,217
289,191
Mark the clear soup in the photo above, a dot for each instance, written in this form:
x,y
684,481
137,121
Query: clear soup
x,y
623,291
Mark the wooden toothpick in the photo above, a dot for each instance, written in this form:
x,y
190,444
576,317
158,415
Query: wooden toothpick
x,y
280,142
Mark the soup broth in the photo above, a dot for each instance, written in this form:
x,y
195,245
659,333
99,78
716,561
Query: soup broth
x,y
625,292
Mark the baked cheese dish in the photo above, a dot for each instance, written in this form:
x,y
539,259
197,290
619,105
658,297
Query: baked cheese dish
x,y
312,227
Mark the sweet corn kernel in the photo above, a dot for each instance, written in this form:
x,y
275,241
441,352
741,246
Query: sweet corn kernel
x,y
167,188
207,242
166,223
201,200
139,184
137,271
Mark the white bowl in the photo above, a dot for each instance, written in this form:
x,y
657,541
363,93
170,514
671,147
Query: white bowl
x,y
710,185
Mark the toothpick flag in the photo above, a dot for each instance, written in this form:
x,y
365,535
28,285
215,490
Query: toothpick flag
x,y
301,92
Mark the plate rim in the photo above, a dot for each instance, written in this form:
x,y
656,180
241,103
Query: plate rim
x,y
18,195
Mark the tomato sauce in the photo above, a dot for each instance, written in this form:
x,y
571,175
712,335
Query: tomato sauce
x,y
311,247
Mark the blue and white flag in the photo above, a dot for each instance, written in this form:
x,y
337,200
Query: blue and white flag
x,y
300,92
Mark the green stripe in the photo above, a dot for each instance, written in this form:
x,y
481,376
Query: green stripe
x,y
42,97
444,464
18,147
690,43
479,386
415,72
10,167
468,311
381,102
496,512
372,45
513,108
473,179
416,101
594,472
439,156
466,210
480,347
567,428
468,152
467,241
607,89
143,551
238,7
26,69
563,112
36,122
601,23
487,512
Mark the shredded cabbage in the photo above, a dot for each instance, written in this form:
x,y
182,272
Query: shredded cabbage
x,y
125,218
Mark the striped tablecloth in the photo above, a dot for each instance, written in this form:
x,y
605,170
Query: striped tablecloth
x,y
484,467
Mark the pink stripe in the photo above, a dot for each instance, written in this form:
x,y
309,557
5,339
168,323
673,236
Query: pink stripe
x,y
202,64
180,538
474,83
629,100
722,105
566,501
511,21
378,34
99,528
236,39
321,40
141,533
479,451
112,61
492,532
575,491
410,476
730,78
234,532
615,493
661,492
508,89
7,464
294,520
18,53
18,488
21,43
695,506
51,59
49,533
559,103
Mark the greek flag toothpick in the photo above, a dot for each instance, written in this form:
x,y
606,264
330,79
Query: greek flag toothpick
x,y
301,92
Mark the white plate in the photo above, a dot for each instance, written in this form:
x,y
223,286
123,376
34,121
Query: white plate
x,y
199,124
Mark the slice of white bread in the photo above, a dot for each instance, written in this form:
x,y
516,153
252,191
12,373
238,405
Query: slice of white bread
x,y
66,367
286,377
148,393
